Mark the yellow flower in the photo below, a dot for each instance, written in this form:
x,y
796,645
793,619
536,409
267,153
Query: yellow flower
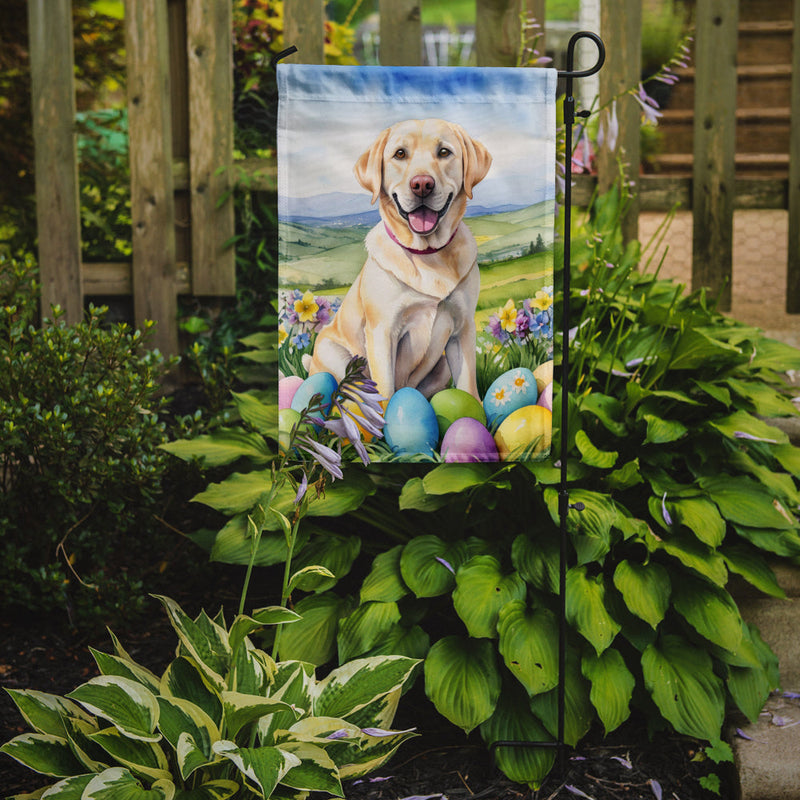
x,y
306,307
508,317
282,334
542,301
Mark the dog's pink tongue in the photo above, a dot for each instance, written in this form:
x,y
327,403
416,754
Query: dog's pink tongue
x,y
422,219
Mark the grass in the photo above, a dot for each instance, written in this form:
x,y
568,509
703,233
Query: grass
x,y
462,12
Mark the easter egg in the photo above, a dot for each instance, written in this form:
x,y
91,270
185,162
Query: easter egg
x,y
512,390
322,383
452,404
543,374
287,387
468,440
546,397
287,419
524,433
410,423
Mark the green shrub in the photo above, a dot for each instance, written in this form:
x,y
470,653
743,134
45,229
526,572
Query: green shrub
x,y
80,470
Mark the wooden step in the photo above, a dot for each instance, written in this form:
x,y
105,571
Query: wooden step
x,y
763,42
767,165
754,10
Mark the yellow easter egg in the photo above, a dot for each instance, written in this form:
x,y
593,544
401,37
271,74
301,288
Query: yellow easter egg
x,y
524,433
543,374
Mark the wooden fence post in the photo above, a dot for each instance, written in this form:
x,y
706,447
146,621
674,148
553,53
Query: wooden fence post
x,y
793,266
304,27
714,190
401,33
210,54
621,28
152,200
498,30
56,161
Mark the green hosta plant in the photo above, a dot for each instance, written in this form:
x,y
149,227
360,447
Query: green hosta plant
x,y
224,720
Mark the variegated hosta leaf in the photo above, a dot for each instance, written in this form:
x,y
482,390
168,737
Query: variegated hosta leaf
x,y
294,685
78,733
365,627
586,608
529,645
212,790
244,625
513,721
316,771
45,712
683,685
358,683
179,718
252,670
145,759
612,686
183,679
481,591
262,766
126,704
646,589
385,581
44,753
125,668
117,783
710,610
462,680
204,641
242,709
372,754
68,789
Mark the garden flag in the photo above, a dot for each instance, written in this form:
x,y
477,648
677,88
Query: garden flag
x,y
416,219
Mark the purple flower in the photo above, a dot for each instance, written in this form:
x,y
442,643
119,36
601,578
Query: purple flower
x,y
751,437
445,563
577,792
380,732
342,733
301,489
624,761
655,786
608,132
325,456
496,329
648,105
664,513
523,323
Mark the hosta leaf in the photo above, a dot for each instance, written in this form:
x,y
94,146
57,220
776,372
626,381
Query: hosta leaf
x,y
578,710
365,627
45,712
696,349
598,515
117,783
788,455
591,455
242,709
182,679
44,753
263,766
313,638
717,391
369,754
190,755
709,609
385,582
68,789
663,431
770,354
244,625
145,759
424,565
740,422
453,478
462,680
766,401
481,591
341,497
513,721
701,517
683,685
234,545
608,410
179,716
692,553
646,589
414,497
745,502
612,687
399,640
125,668
753,567
212,790
782,543
294,685
625,477
335,553
529,645
358,683
261,416
86,751
586,608
537,561
749,687
316,771
237,493
126,704
223,446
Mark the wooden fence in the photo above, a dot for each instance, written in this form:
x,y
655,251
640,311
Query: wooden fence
x,y
181,141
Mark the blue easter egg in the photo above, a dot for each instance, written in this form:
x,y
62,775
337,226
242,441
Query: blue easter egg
x,y
410,423
322,383
512,390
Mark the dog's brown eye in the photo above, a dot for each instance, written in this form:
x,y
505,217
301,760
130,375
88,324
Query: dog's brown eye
x,y
444,152
400,154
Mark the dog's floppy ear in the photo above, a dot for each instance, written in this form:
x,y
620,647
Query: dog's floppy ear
x,y
369,167
475,157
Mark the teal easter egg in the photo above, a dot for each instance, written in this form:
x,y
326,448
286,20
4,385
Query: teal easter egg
x,y
322,383
452,404
512,390
410,423
467,440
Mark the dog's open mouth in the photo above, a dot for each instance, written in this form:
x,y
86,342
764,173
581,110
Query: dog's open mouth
x,y
423,220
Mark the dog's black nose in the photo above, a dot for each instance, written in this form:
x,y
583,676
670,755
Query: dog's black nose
x,y
422,185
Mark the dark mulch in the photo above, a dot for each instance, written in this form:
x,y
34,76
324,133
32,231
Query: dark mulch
x,y
43,654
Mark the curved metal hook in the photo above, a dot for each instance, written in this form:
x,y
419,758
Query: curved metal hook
x,y
584,73
273,62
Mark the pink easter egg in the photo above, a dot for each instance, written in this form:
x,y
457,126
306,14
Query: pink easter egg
x,y
546,397
467,440
286,390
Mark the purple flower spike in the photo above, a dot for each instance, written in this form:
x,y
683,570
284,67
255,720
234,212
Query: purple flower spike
x,y
577,792
751,437
742,735
342,733
664,512
301,489
624,761
792,695
445,563
380,732
655,786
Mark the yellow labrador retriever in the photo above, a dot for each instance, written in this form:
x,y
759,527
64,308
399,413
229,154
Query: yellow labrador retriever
x,y
411,310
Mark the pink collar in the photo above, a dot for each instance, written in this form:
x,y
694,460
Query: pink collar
x,y
427,251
